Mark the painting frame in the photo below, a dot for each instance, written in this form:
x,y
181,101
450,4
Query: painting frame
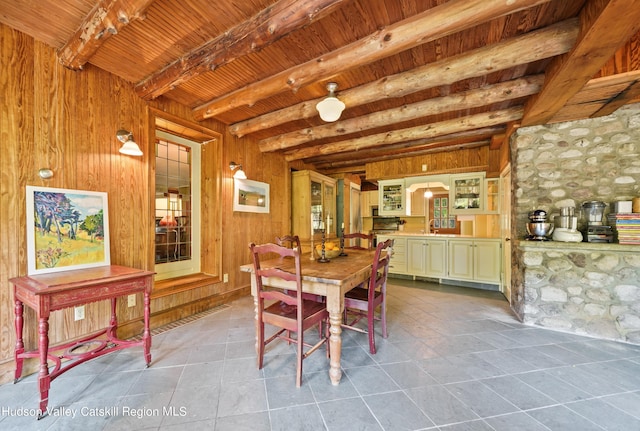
x,y
57,240
242,192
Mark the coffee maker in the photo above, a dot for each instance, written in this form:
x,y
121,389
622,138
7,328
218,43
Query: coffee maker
x,y
596,231
567,226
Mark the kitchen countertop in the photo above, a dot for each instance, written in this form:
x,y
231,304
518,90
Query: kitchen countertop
x,y
435,235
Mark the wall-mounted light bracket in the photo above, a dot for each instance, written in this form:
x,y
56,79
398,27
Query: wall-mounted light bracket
x,y
239,175
129,147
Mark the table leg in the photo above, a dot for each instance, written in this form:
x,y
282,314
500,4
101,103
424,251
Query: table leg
x,y
19,324
44,380
334,306
113,322
146,335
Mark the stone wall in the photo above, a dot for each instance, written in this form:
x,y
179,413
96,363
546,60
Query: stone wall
x,y
566,164
585,288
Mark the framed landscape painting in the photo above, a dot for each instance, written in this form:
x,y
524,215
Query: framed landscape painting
x,y
66,229
250,196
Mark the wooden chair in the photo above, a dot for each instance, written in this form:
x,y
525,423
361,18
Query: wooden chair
x,y
292,240
290,312
358,245
362,301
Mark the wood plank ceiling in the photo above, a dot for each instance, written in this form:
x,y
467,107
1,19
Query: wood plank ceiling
x,y
416,76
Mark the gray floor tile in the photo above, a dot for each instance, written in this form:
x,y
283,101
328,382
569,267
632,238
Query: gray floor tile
x,y
456,359
349,414
408,374
515,422
605,415
517,393
560,418
628,402
371,380
306,417
244,422
242,397
282,392
440,405
395,411
481,399
553,387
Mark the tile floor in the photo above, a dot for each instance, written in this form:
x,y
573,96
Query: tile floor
x,y
455,360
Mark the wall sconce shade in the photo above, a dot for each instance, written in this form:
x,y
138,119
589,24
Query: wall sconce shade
x,y
331,107
239,175
129,147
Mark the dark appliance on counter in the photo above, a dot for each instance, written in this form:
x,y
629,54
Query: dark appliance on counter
x,y
596,231
384,225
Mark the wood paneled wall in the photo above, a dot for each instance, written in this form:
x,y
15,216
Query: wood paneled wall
x,y
54,118
457,161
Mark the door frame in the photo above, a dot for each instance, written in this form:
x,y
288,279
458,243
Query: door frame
x,y
505,230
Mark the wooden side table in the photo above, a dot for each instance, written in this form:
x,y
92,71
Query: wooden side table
x,y
45,293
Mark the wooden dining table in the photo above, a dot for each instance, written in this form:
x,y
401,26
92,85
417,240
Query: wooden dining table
x,y
330,279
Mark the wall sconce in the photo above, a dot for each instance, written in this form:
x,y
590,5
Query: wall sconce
x,y
331,107
239,175
45,173
129,147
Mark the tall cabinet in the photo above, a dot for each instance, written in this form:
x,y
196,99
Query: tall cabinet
x,y
313,205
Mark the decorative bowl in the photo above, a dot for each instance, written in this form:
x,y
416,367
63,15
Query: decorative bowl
x,y
329,254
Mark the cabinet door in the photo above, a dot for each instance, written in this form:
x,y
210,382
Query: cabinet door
x,y
436,259
492,195
329,203
365,206
418,202
416,256
392,197
466,193
398,264
487,259
461,259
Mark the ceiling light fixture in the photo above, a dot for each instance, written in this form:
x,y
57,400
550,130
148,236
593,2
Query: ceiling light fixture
x,y
428,194
330,107
129,147
239,175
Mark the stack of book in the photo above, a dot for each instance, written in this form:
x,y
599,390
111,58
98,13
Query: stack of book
x,y
626,227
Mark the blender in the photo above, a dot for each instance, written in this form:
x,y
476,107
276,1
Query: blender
x,y
567,226
595,230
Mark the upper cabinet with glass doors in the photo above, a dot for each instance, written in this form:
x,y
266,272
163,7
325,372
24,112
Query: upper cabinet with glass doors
x,y
392,198
466,193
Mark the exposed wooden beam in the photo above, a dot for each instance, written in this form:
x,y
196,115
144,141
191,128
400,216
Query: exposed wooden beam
x,y
405,147
430,130
497,141
265,28
537,45
605,25
105,20
630,93
437,22
416,150
465,100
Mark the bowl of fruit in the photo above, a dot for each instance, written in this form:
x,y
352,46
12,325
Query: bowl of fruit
x,y
331,250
